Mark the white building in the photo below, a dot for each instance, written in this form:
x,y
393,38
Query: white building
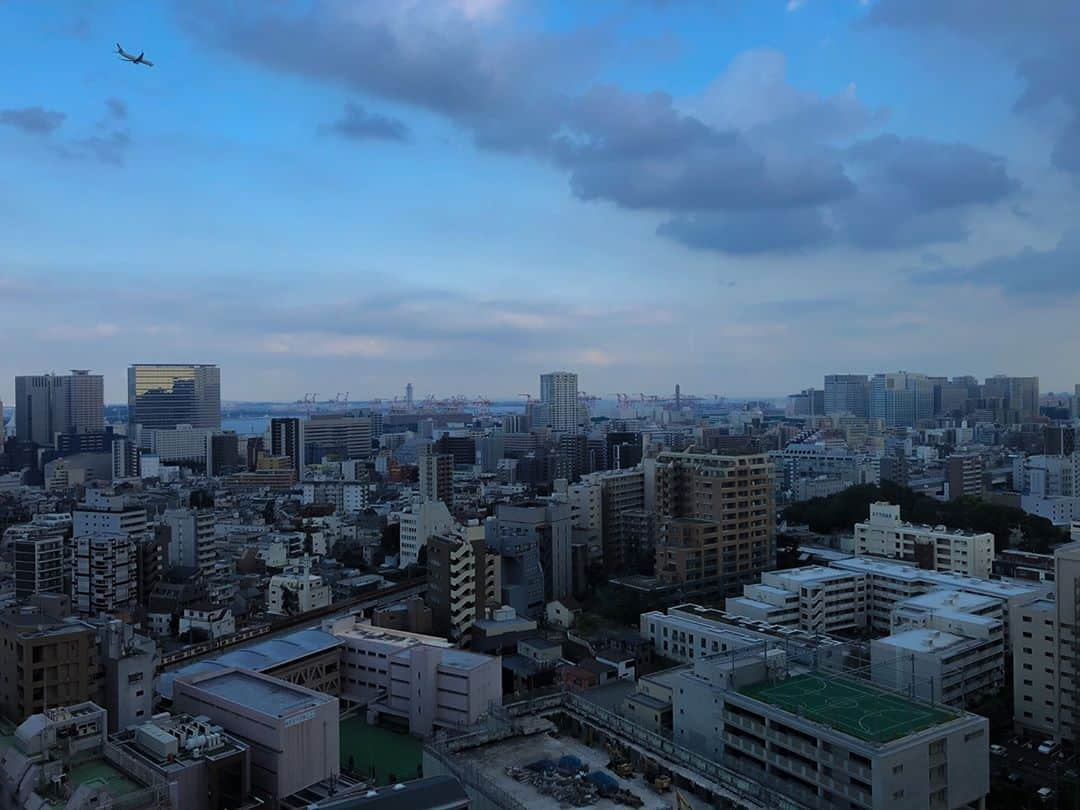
x,y
773,726
101,511
213,621
185,444
420,521
420,679
559,400
103,573
347,497
296,590
936,548
1036,669
829,600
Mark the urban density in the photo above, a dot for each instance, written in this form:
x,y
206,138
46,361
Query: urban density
x,y
539,404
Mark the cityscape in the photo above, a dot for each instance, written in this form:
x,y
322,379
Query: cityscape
x,y
531,405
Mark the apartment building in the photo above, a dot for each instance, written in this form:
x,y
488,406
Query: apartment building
x,y
296,590
687,632
421,520
1036,670
889,583
39,560
829,600
104,573
935,548
461,582
192,538
776,727
735,494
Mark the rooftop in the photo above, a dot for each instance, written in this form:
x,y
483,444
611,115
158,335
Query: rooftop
x,y
264,694
952,599
923,640
811,573
851,707
871,565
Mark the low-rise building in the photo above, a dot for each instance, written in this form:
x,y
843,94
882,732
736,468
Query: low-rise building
x,y
296,590
935,548
829,600
292,732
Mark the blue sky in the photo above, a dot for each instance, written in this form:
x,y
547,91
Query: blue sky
x,y
735,196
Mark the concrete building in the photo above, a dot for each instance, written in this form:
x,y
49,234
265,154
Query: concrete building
x,y
559,400
420,680
183,445
423,519
105,512
292,732
195,760
49,404
436,479
964,475
1020,396
622,494
287,439
774,727
829,600
46,662
192,539
129,664
342,436
1037,671
847,394
162,396
935,548
901,398
533,541
460,580
125,459
736,494
104,573
38,561
296,590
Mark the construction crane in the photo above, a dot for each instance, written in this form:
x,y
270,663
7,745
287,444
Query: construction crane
x,y
309,402
341,400
529,400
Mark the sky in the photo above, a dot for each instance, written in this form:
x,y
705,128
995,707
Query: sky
x,y
739,197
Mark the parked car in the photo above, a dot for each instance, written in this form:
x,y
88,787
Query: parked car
x,y
1044,793
1049,747
997,750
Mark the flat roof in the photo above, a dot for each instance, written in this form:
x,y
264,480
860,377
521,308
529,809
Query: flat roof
x,y
265,694
1042,606
952,599
875,565
855,708
811,573
921,639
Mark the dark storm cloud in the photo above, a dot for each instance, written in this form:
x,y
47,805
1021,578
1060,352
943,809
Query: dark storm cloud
x,y
1040,38
32,120
1031,273
358,124
754,167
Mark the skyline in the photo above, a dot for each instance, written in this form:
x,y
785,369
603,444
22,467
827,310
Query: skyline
x,y
740,200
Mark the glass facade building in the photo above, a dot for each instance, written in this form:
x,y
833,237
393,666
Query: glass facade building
x,y
162,396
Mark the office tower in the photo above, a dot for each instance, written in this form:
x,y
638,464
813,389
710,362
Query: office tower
x,y
901,398
104,577
32,642
1060,440
162,396
287,439
225,453
48,404
461,448
39,561
808,402
847,393
716,519
533,540
340,436
125,459
436,475
409,395
1020,395
192,541
964,474
559,396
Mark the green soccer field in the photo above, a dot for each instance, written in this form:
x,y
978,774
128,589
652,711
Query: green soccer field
x,y
393,757
858,709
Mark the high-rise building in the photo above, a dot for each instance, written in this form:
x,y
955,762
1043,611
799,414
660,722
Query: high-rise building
x,y
49,404
192,541
901,398
287,439
225,453
457,580
409,395
1020,395
559,396
717,519
162,396
436,475
847,393
342,435
125,459
808,402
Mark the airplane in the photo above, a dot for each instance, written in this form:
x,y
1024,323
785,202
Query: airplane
x,y
135,60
